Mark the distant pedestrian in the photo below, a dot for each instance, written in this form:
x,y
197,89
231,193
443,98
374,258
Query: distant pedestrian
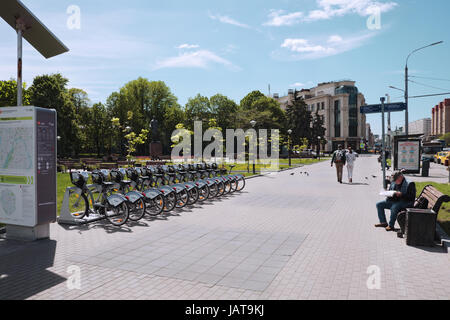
x,y
339,160
350,157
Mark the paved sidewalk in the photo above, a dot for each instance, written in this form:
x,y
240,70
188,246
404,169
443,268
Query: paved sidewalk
x,y
285,237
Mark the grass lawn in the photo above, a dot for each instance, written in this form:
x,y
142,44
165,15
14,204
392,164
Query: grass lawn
x,y
444,213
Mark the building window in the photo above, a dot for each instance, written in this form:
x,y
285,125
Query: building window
x,y
323,105
312,107
337,118
353,114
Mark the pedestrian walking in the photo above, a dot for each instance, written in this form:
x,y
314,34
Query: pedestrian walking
x,y
350,157
339,160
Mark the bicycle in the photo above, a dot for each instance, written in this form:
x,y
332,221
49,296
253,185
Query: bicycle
x,y
112,206
154,199
135,200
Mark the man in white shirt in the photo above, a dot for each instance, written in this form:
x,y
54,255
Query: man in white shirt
x,y
350,159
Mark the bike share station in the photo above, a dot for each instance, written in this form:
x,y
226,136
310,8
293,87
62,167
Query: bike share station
x,y
28,138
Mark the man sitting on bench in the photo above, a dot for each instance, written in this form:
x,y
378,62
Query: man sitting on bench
x,y
404,198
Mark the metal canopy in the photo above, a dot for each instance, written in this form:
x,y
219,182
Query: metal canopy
x,y
36,33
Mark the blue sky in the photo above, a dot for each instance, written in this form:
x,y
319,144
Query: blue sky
x,y
233,47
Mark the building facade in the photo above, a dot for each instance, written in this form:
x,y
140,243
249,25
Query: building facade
x,y
339,104
422,127
369,136
440,123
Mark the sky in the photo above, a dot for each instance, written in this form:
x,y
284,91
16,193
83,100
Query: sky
x,y
234,47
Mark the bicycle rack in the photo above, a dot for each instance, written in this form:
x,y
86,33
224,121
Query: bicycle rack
x,y
65,216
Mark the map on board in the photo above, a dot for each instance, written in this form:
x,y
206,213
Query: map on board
x,y
17,149
8,202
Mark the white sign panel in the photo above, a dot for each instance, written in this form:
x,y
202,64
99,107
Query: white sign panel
x,y
409,155
17,166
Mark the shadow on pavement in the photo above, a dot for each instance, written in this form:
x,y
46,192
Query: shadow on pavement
x,y
23,273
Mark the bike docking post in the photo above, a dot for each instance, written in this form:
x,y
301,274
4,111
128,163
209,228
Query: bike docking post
x,y
66,217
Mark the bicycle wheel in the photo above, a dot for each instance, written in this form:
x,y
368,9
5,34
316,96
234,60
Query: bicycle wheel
x,y
234,185
78,205
136,210
118,216
170,202
227,184
182,199
240,183
204,193
193,196
220,189
156,206
213,190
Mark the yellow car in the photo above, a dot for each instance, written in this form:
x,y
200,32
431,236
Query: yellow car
x,y
441,157
446,161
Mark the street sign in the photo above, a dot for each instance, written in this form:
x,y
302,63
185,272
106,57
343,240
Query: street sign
x,y
388,107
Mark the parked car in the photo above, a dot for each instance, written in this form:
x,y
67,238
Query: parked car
x,y
441,156
308,153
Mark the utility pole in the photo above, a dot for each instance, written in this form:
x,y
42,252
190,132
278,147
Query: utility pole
x,y
383,150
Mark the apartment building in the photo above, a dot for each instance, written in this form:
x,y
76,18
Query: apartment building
x,y
339,104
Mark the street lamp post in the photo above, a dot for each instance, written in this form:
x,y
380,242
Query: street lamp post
x,y
319,138
253,124
289,147
407,80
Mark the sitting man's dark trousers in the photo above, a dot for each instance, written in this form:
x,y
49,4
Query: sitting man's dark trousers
x,y
405,198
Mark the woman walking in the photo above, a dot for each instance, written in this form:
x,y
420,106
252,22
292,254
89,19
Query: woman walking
x,y
351,159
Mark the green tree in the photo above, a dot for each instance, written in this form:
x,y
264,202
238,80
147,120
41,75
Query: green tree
x,y
50,91
249,99
446,138
81,103
98,129
318,130
197,109
299,121
147,100
224,110
8,94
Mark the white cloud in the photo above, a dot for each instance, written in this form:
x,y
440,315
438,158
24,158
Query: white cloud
x,y
278,18
188,46
335,39
228,20
303,46
197,59
301,49
338,8
328,9
297,85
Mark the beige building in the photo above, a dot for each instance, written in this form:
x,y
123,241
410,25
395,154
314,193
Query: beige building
x,y
422,126
339,104
440,124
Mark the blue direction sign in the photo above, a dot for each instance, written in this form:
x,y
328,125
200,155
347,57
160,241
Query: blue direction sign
x,y
388,107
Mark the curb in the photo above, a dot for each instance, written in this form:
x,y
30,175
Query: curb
x,y
282,170
444,238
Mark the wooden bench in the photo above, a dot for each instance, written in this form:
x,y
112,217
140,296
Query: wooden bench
x,y
434,198
108,166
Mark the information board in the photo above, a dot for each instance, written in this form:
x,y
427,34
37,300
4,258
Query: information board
x,y
27,159
408,155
